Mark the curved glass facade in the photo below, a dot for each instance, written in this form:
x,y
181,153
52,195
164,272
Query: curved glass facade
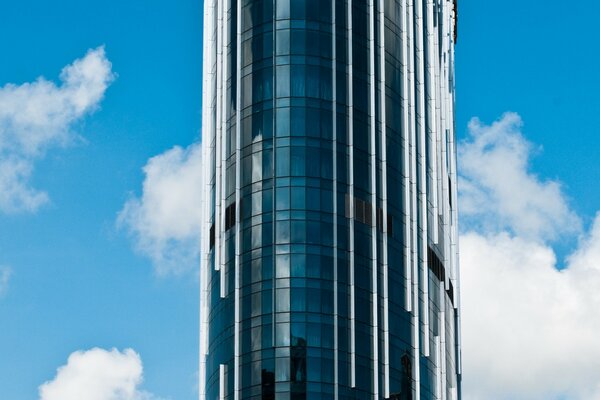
x,y
329,248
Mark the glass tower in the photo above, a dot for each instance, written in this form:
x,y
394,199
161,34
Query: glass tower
x,y
329,248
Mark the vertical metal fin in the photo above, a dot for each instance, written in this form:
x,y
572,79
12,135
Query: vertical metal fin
x,y
351,200
238,242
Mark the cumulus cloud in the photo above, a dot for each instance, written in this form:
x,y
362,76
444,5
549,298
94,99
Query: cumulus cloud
x,y
39,115
165,220
98,374
529,329
499,192
5,273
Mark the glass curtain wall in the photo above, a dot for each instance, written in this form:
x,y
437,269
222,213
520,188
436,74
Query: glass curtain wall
x,y
329,255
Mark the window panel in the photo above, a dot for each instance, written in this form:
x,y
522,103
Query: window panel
x,y
298,161
298,299
283,161
283,81
283,232
283,42
283,9
283,198
282,334
298,127
283,266
298,265
282,301
283,122
298,198
298,231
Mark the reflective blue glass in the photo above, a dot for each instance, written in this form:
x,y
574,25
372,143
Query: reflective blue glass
x,y
328,201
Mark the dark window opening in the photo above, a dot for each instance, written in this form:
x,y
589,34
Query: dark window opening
x,y
450,291
435,264
437,267
368,214
268,385
359,210
230,216
455,21
363,213
450,191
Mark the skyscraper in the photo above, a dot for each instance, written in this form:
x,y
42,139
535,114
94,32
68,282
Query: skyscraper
x,y
329,248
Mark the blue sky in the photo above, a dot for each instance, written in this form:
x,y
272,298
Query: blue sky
x,y
107,261
540,60
76,282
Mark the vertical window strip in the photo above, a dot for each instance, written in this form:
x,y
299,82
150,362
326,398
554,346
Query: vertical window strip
x,y
406,160
432,116
455,250
274,147
222,98
373,160
444,132
422,179
439,107
416,372
383,151
335,210
218,138
208,131
237,324
455,270
442,71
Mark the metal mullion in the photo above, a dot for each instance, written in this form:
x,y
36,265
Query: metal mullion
x,y
455,250
442,323
438,370
351,200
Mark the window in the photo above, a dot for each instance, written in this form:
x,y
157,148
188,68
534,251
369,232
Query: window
x,y
435,264
230,216
363,212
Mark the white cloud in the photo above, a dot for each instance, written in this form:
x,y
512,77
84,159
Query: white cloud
x,y
5,273
39,115
530,330
165,220
498,191
97,374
